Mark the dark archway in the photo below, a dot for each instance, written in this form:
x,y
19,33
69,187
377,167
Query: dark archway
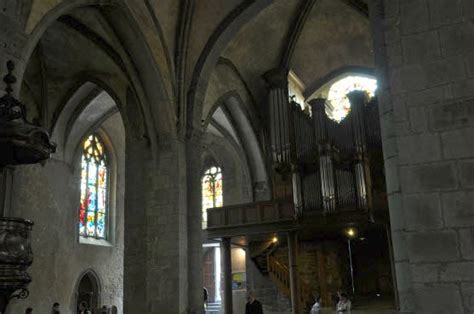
x,y
88,290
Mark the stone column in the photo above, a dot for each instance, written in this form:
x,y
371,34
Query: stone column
x,y
293,268
194,222
326,170
156,255
135,234
426,98
358,100
227,270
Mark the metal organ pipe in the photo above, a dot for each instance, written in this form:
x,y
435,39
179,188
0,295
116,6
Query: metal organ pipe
x,y
362,177
326,169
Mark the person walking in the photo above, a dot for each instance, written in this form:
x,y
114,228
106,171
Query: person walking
x,y
344,304
253,306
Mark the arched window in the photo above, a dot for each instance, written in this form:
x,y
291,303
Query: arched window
x,y
93,209
211,183
337,95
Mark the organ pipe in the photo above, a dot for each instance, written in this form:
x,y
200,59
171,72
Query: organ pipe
x,y
326,169
358,101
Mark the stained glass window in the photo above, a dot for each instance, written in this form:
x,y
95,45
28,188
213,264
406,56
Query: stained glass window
x,y
337,96
211,191
94,182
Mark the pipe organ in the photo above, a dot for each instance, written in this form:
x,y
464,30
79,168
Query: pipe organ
x,y
328,166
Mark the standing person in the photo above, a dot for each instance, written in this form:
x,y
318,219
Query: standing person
x,y
344,304
29,310
316,309
83,308
55,309
206,297
253,306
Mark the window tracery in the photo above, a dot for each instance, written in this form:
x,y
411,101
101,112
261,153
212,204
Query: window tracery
x,y
339,105
93,210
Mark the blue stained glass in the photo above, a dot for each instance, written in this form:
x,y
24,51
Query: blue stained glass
x,y
93,206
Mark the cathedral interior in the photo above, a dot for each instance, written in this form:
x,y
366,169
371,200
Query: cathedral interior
x,y
152,151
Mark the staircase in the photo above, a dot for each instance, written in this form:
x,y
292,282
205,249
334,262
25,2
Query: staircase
x,y
213,308
280,276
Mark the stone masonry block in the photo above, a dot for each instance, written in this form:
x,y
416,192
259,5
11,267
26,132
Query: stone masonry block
x,y
391,175
400,252
466,173
468,8
457,39
425,272
413,78
454,114
438,299
439,246
404,277
463,271
423,211
458,208
392,8
464,88
470,63
414,16
466,238
397,218
426,97
418,119
419,148
445,71
444,12
421,48
458,143
468,296
424,178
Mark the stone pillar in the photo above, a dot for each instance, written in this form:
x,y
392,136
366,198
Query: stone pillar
x,y
358,101
326,170
227,270
156,231
194,222
293,269
135,213
423,53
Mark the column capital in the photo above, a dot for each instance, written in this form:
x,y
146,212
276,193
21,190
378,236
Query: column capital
x,y
277,78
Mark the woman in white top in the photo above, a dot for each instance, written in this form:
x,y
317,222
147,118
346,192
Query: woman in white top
x,y
344,304
316,309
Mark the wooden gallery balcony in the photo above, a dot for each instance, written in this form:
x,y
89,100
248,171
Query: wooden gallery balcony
x,y
252,218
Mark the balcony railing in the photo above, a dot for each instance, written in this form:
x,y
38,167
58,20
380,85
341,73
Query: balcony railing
x,y
258,213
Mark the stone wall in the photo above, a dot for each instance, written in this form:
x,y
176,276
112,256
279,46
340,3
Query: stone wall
x,y
425,59
49,195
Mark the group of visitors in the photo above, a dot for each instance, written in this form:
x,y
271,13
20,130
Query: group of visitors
x,y
253,306
83,309
343,304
